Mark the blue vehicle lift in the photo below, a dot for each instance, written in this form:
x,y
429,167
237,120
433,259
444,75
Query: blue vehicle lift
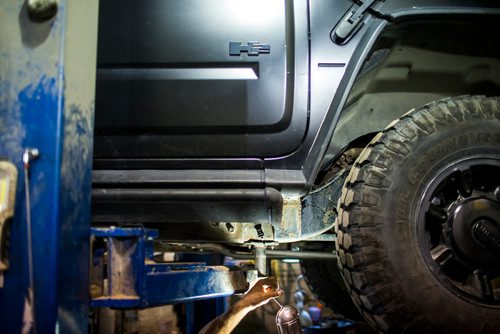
x,y
47,88
134,280
47,83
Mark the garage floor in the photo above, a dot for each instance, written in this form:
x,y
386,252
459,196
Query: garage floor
x,y
261,321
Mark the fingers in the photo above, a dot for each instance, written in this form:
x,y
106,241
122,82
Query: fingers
x,y
262,292
270,288
272,282
265,288
274,293
267,283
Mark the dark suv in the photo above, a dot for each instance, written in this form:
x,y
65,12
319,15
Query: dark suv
x,y
367,128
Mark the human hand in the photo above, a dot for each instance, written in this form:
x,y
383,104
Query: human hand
x,y
261,293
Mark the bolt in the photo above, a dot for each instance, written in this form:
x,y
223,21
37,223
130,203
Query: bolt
x,y
29,155
487,234
41,10
230,227
260,232
436,201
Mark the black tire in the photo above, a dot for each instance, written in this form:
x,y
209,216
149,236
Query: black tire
x,y
324,280
388,228
323,276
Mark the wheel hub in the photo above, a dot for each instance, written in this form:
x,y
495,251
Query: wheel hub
x,y
459,229
476,232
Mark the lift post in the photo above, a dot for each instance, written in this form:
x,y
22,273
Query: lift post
x,y
47,93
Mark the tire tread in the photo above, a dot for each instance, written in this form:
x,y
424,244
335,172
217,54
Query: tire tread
x,y
361,259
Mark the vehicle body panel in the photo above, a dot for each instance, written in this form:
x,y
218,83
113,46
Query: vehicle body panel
x,y
168,85
321,75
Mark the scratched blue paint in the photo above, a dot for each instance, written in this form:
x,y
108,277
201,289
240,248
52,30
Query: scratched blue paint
x,y
41,114
36,108
76,177
160,283
33,114
24,122
16,279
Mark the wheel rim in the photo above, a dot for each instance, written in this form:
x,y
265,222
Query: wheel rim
x,y
458,229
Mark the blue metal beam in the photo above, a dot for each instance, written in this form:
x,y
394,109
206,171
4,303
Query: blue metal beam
x,y
46,102
134,280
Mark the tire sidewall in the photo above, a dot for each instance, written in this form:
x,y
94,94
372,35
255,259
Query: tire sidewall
x,y
424,294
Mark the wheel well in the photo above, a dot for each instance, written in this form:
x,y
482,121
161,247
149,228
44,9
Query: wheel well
x,y
413,63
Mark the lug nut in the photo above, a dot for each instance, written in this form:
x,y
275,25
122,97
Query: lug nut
x,y
436,201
